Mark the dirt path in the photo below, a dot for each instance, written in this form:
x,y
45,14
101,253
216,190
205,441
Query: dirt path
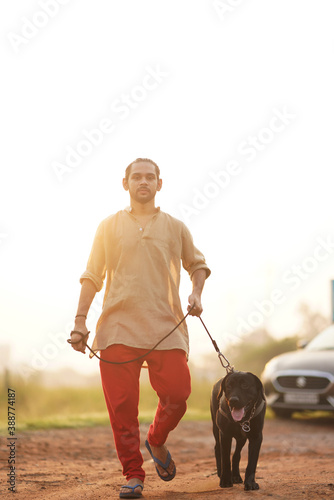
x,y
296,462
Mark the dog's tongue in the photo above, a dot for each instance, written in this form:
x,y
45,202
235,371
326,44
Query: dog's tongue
x,y
237,414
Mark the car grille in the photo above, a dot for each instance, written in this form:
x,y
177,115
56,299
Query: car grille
x,y
322,402
302,382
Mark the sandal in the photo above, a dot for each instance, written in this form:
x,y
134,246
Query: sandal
x,y
132,493
163,465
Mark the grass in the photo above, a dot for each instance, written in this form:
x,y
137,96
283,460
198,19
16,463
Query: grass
x,y
38,407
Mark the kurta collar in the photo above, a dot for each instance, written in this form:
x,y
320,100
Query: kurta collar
x,y
129,210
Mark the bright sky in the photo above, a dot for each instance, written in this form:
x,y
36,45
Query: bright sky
x,y
234,101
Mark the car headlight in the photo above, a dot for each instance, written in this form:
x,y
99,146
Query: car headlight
x,y
269,369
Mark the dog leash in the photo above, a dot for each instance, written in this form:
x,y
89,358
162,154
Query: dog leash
x,y
85,335
228,367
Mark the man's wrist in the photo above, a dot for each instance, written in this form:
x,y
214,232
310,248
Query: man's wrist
x,y
80,320
196,294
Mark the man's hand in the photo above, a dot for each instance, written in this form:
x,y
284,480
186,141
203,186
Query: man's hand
x,y
195,300
87,294
80,326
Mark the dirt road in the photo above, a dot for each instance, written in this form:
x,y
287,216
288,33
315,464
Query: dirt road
x,y
296,462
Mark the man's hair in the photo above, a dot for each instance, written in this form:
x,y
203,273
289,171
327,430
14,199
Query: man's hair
x,y
128,168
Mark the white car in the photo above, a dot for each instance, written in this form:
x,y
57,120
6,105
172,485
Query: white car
x,y
303,379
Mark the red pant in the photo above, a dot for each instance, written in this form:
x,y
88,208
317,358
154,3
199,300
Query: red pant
x,y
169,377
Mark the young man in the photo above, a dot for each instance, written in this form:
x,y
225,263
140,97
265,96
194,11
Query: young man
x,y
140,251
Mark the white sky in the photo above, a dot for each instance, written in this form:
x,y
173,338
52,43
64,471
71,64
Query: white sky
x,y
221,81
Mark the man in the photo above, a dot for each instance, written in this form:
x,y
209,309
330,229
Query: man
x,y
140,251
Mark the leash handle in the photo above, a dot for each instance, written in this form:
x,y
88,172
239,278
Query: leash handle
x,y
83,337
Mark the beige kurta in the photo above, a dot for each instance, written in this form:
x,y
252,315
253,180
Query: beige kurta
x,y
142,267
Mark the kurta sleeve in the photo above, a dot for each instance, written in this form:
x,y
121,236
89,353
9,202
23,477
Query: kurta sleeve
x,y
192,258
96,265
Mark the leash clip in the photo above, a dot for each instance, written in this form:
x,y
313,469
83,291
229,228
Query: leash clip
x,y
228,367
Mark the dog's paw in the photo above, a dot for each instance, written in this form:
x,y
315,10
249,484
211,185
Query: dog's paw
x,y
237,479
225,483
251,485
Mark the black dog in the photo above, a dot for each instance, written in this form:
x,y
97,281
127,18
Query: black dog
x,y
238,407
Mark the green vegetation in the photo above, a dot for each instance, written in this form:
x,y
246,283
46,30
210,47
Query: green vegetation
x,y
39,407
251,357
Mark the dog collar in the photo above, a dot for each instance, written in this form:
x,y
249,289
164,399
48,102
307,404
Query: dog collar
x,y
245,425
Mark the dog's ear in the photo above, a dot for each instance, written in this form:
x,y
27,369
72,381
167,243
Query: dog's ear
x,y
222,388
259,385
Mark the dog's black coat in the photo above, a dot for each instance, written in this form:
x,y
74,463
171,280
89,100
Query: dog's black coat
x,y
235,391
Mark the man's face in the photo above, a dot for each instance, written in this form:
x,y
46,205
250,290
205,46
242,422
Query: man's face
x,y
142,183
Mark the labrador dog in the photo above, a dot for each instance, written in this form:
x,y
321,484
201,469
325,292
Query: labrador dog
x,y
238,407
